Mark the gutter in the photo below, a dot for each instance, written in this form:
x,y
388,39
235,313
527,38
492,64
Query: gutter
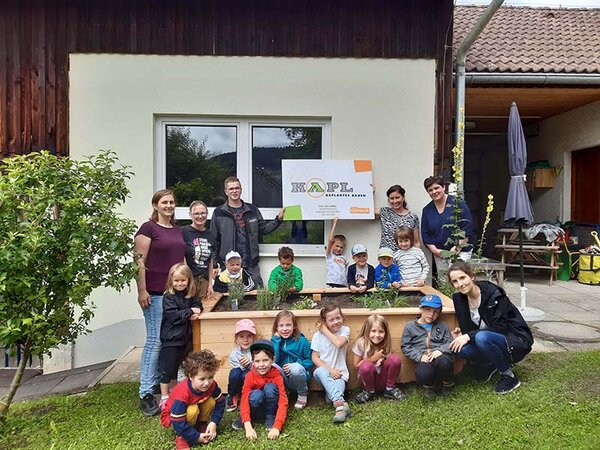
x,y
461,56
541,79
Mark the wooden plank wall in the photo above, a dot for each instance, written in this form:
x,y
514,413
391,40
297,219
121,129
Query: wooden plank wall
x,y
36,37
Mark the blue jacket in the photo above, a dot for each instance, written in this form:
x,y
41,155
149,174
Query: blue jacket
x,y
433,230
384,276
292,350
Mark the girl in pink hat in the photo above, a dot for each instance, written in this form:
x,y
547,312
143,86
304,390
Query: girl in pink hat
x,y
240,360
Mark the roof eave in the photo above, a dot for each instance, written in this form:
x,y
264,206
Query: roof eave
x,y
540,79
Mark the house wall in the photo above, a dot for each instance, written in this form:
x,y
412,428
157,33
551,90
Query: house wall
x,y
558,137
380,109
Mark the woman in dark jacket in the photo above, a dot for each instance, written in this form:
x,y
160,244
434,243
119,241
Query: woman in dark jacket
x,y
491,330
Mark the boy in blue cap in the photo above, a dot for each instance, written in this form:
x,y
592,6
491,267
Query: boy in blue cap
x,y
426,340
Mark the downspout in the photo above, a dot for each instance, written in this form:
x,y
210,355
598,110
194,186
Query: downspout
x,y
459,73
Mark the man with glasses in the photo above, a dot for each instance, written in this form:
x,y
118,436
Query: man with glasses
x,y
238,225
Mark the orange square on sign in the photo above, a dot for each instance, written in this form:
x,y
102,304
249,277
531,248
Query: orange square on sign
x,y
363,165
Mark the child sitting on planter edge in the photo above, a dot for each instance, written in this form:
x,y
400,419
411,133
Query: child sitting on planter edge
x,y
233,273
286,274
195,406
361,275
426,340
263,394
387,274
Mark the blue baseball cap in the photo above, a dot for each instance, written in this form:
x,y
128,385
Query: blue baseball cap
x,y
431,301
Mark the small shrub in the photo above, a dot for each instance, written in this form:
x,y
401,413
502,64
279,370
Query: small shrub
x,y
443,285
372,300
236,295
265,300
283,290
305,302
401,301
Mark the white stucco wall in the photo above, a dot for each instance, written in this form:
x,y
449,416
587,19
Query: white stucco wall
x,y
558,137
380,109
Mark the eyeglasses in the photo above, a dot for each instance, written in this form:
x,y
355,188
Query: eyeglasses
x,y
200,214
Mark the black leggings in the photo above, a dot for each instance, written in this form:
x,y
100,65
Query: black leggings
x,y
169,360
442,368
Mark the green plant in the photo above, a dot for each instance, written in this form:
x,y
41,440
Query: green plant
x,y
488,215
265,300
304,303
236,295
444,285
401,301
60,238
372,300
282,291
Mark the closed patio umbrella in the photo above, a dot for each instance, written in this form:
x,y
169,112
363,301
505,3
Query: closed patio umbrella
x,y
518,207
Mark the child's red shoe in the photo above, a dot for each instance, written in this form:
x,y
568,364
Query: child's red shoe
x,y
181,444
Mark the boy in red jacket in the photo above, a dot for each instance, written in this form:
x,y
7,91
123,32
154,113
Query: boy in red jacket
x,y
263,394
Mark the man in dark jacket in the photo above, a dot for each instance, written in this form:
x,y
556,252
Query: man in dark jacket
x,y
238,225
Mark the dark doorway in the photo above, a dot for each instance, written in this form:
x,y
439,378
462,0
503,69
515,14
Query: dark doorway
x,y
585,195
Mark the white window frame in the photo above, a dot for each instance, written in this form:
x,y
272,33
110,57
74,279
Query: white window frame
x,y
243,126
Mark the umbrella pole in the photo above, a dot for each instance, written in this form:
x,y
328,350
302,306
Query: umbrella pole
x,y
522,270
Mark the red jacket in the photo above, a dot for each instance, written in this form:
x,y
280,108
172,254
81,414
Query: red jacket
x,y
256,381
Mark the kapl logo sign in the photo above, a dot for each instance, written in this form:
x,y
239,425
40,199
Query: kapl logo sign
x,y
316,187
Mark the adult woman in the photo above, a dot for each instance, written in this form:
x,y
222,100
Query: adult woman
x,y
199,248
396,216
436,215
492,334
159,242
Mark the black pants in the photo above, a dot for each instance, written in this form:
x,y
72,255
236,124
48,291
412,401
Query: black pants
x,y
169,360
441,368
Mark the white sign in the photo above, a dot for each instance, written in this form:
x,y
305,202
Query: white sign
x,y
316,189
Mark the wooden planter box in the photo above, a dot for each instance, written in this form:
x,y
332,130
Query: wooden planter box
x,y
214,331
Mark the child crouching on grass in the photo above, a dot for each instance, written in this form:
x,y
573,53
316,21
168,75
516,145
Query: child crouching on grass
x,y
263,394
240,359
195,407
426,341
286,273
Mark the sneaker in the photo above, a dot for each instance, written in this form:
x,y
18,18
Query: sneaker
x,y
148,405
363,397
394,394
507,384
181,444
237,424
342,412
232,403
269,422
428,393
301,402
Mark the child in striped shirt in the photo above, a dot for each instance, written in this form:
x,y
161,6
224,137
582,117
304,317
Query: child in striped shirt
x,y
411,260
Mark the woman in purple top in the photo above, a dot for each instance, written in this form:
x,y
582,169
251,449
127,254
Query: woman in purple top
x,y
159,242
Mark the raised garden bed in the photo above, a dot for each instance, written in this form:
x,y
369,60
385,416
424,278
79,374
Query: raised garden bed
x,y
215,329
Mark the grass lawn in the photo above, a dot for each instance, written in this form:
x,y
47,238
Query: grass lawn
x,y
557,406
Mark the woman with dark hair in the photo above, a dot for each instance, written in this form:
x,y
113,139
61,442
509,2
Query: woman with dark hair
x,y
396,216
437,214
491,334
159,244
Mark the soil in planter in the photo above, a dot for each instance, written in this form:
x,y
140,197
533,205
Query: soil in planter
x,y
345,301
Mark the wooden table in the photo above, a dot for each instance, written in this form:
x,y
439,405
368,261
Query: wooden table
x,y
489,265
534,252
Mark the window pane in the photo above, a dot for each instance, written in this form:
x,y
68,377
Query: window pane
x,y
199,158
297,232
269,146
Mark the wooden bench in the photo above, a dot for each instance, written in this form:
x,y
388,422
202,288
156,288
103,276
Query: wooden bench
x,y
533,252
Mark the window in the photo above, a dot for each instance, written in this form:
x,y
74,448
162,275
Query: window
x,y
195,155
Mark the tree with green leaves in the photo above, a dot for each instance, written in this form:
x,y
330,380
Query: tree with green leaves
x,y
60,238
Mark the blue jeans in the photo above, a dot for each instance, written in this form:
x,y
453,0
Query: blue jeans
x,y
237,375
488,347
263,402
149,374
333,388
296,380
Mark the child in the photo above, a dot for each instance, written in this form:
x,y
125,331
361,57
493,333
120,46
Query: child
x,y
195,407
336,260
293,355
240,360
411,260
233,273
286,272
361,275
387,273
426,341
329,346
377,366
263,394
180,306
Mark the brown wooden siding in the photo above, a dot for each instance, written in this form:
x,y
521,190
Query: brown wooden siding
x,y
36,37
